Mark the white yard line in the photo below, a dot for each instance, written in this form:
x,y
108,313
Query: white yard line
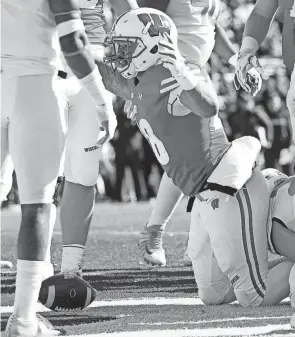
x,y
127,302
130,302
211,332
209,321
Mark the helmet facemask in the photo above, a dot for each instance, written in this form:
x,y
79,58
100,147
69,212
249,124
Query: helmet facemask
x,y
120,53
132,45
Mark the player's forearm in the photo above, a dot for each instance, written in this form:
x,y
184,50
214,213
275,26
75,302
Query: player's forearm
x,y
202,100
74,45
223,46
288,43
121,6
258,23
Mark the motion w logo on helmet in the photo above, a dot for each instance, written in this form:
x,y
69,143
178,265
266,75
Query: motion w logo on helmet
x,y
155,24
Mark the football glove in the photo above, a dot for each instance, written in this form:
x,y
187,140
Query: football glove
x,y
172,60
131,110
248,73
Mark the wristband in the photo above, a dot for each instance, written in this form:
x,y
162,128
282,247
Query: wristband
x,y
94,85
188,79
249,44
68,27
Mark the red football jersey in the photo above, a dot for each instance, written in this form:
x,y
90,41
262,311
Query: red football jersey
x,y
188,146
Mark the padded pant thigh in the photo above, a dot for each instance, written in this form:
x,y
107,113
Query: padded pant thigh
x,y
237,232
36,136
212,283
82,155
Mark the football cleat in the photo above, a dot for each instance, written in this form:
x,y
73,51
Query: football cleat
x,y
41,327
151,245
292,321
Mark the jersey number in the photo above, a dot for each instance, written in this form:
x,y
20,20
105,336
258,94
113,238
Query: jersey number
x,y
157,146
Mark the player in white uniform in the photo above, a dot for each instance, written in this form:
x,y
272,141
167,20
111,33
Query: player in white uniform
x,y
33,132
198,35
215,287
81,160
82,156
281,224
255,31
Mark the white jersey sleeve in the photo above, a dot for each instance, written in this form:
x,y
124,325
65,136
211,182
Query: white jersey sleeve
x,y
29,38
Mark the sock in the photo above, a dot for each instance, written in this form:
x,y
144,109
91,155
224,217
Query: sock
x,y
29,277
292,286
168,198
72,256
51,227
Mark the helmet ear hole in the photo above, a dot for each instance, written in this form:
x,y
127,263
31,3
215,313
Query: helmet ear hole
x,y
154,50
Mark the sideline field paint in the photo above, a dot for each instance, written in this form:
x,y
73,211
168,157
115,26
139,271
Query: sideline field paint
x,y
211,332
130,302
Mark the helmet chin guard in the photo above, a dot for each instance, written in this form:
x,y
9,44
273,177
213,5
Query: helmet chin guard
x,y
132,44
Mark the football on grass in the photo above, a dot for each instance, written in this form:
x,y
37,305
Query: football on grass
x,y
64,294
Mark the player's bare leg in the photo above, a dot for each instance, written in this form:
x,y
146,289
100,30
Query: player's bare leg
x,y
151,237
76,214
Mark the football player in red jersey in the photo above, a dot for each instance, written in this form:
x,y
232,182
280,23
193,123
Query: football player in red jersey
x,y
176,110
199,33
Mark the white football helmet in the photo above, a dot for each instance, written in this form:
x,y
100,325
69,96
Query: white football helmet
x,y
273,177
132,44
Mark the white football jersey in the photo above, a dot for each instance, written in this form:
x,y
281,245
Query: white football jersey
x,y
195,21
282,201
29,38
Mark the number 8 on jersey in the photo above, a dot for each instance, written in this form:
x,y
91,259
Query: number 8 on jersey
x,y
157,146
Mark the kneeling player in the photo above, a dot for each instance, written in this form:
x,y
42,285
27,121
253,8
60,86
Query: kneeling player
x,y
177,112
250,262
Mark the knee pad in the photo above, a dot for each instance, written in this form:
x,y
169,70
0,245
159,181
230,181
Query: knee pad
x,y
248,299
85,174
212,296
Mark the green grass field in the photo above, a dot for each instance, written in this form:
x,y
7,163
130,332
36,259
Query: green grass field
x,y
134,299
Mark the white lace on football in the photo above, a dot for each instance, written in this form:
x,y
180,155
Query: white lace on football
x,y
69,309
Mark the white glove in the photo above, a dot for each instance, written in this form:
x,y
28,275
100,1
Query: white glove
x,y
108,125
131,110
248,73
171,57
172,60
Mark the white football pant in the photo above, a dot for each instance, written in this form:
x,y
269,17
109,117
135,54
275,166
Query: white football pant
x,y
33,133
228,243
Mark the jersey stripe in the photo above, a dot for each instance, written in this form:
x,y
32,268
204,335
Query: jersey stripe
x,y
253,248
245,245
168,84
